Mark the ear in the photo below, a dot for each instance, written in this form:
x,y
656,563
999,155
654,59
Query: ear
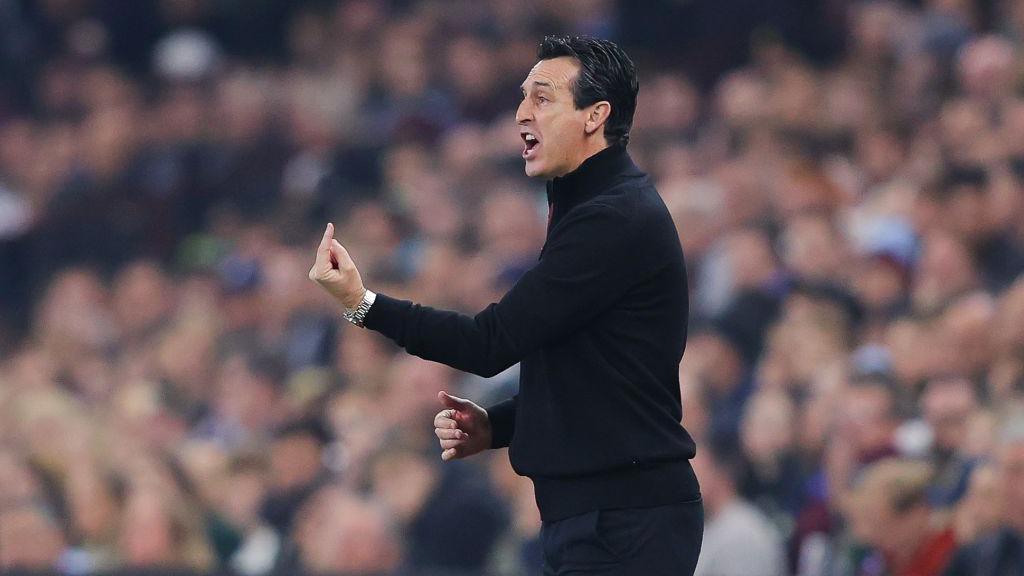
x,y
597,116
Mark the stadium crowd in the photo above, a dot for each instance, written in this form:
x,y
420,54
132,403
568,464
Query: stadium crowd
x,y
175,395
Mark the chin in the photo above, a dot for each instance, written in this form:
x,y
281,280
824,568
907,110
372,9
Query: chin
x,y
533,171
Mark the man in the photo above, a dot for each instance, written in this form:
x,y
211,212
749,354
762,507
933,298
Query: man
x,y
890,514
739,538
1001,552
948,404
598,326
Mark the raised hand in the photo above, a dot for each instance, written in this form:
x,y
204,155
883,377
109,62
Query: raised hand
x,y
335,271
462,428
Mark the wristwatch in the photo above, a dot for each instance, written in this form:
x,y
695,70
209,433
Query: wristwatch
x,y
357,315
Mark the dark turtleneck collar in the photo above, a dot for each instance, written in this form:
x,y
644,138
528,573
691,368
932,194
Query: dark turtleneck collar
x,y
595,175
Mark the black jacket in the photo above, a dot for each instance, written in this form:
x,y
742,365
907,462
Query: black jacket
x,y
599,326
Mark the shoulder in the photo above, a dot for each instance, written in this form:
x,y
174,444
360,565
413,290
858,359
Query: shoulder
x,y
612,212
633,199
642,208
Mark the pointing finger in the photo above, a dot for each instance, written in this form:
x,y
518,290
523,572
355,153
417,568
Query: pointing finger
x,y
325,242
323,252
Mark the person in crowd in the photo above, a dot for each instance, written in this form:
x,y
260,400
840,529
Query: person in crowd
x,y
1000,551
734,524
890,514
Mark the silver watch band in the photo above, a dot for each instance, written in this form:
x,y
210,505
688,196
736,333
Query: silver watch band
x,y
357,315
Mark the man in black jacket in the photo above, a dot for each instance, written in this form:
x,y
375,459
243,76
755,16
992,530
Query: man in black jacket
x,y
598,327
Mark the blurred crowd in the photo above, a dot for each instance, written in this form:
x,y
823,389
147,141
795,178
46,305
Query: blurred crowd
x,y
848,184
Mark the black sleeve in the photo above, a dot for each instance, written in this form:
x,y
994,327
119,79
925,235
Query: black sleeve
x,y
587,265
502,417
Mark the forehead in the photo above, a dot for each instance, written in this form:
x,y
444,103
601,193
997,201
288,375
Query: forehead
x,y
947,396
558,72
859,397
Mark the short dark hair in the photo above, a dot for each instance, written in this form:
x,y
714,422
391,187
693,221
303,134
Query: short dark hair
x,y
970,176
606,73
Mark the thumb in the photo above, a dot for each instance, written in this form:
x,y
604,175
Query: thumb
x,y
449,401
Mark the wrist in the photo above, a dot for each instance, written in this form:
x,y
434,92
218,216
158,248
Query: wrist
x,y
357,314
352,301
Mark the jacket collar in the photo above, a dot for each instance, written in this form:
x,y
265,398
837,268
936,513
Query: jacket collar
x,y
596,174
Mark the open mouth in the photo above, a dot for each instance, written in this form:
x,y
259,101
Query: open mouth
x,y
530,145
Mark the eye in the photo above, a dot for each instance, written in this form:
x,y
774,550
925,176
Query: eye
x,y
542,99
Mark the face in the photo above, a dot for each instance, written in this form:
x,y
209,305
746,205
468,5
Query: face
x,y
947,409
554,132
1011,475
294,461
867,417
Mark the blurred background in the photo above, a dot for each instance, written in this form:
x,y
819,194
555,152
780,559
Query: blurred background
x,y
176,397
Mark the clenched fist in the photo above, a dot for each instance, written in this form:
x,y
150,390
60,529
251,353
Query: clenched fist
x,y
463,428
335,272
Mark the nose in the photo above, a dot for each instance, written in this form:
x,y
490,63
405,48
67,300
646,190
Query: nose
x,y
524,113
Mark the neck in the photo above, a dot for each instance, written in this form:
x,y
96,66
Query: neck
x,y
594,175
589,148
1015,520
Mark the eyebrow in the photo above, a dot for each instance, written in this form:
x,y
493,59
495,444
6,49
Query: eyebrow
x,y
537,83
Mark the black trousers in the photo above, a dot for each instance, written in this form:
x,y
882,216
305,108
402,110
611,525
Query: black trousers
x,y
664,540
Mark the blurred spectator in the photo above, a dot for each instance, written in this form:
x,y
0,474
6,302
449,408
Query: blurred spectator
x,y
1001,551
770,475
979,511
717,369
296,471
733,524
450,518
891,515
340,533
29,539
948,404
